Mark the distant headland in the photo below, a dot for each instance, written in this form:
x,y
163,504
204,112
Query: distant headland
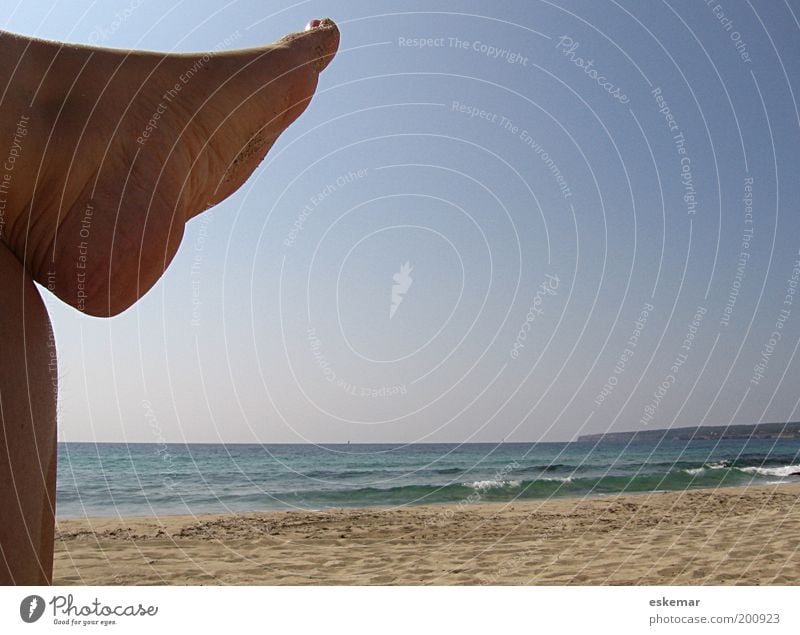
x,y
703,433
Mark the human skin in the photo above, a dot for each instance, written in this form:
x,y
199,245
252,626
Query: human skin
x,y
95,190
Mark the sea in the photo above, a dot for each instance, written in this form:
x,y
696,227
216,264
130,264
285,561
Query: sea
x,y
140,479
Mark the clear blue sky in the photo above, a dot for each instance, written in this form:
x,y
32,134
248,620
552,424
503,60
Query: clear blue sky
x,y
491,158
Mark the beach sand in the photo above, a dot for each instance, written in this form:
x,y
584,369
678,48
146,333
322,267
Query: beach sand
x,y
723,536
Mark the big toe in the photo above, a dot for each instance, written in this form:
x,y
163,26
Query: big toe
x,y
317,45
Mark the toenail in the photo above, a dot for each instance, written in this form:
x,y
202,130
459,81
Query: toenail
x,y
313,24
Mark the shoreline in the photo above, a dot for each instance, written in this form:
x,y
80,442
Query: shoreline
x,y
733,535
414,506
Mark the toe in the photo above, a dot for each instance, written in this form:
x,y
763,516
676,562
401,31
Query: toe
x,y
317,44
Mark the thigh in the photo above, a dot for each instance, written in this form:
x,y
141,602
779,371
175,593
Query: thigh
x,y
28,377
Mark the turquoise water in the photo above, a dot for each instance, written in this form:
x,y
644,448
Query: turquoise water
x,y
146,479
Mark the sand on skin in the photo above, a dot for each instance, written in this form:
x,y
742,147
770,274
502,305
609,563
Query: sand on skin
x,y
724,536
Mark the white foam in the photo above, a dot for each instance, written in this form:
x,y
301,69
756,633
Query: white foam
x,y
490,484
786,470
699,471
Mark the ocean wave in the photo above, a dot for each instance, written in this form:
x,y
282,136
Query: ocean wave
x,y
699,471
694,471
786,470
761,460
495,489
548,467
744,460
449,470
492,484
758,470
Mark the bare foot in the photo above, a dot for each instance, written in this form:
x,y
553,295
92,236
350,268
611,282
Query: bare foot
x,y
115,150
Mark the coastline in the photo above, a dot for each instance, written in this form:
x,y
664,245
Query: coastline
x,y
737,535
